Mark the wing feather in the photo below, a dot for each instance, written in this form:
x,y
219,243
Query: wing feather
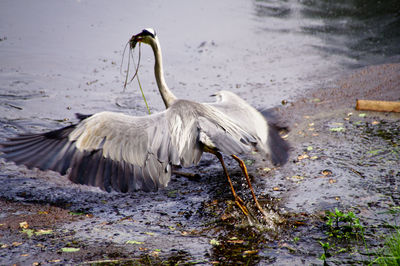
x,y
124,153
195,125
99,179
131,144
64,158
262,125
48,160
107,150
93,168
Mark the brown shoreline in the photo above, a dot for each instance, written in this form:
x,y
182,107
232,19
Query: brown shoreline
x,y
377,82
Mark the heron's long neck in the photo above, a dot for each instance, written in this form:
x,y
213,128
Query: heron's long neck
x,y
166,94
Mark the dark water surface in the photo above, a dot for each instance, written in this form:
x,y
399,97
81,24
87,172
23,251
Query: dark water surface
x,y
65,55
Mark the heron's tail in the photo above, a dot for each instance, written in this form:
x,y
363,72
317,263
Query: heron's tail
x,y
278,147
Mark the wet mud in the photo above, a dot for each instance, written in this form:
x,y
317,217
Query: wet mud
x,y
340,158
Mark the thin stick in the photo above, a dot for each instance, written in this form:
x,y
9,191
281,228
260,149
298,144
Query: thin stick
x,y
190,176
122,63
136,72
144,98
137,77
129,63
136,66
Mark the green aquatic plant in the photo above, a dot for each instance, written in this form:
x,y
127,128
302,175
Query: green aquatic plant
x,y
326,246
343,225
391,253
342,229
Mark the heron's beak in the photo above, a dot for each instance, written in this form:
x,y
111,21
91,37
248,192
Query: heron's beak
x,y
134,40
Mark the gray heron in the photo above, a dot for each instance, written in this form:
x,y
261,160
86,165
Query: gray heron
x,y
115,151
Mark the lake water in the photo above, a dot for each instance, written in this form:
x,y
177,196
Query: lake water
x,y
62,57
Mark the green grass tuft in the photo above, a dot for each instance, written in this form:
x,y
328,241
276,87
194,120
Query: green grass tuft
x,y
391,254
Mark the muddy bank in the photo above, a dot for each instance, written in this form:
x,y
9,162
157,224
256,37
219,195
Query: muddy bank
x,y
381,82
340,158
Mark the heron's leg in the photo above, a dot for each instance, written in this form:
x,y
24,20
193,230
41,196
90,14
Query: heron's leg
x,y
244,169
238,200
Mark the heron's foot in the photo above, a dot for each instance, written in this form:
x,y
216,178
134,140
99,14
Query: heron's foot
x,y
242,207
261,209
240,203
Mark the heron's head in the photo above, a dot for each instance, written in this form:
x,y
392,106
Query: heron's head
x,y
147,36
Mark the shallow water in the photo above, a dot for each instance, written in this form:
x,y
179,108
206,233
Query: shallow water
x,y
66,55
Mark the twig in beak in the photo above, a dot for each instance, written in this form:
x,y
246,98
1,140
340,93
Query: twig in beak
x,y
132,45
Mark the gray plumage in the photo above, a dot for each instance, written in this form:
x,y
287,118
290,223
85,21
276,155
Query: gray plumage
x,y
115,151
126,153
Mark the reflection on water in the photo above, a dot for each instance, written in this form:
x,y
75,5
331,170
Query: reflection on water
x,y
365,30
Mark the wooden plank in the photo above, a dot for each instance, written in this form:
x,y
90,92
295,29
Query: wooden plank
x,y
380,106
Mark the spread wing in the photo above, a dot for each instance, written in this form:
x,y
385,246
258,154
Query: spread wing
x,y
107,150
126,153
262,125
